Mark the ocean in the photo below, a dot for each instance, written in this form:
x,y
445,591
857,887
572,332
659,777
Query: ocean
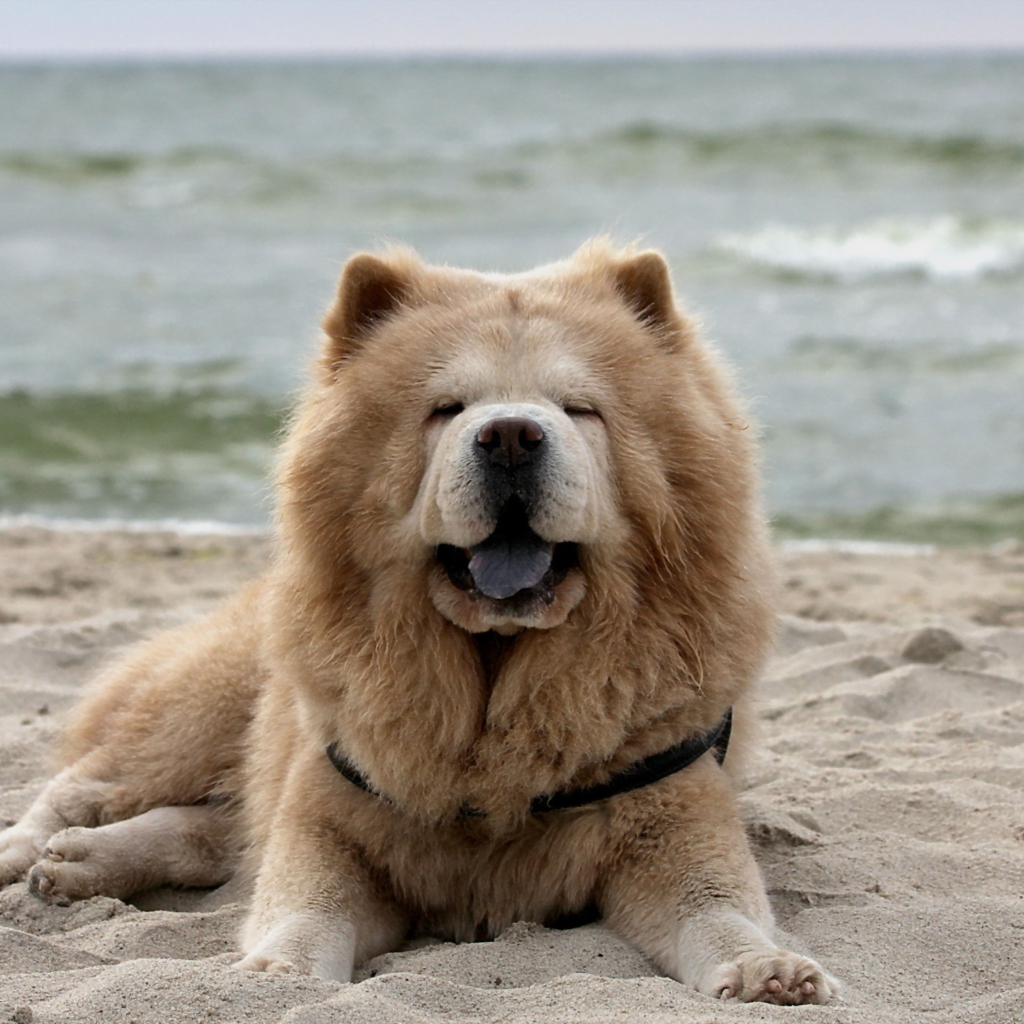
x,y
850,231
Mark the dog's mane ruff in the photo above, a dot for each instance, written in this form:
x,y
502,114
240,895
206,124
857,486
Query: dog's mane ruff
x,y
673,626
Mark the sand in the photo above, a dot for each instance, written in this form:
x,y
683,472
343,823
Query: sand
x,y
886,810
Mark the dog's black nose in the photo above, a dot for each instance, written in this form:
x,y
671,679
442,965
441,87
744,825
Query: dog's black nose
x,y
510,441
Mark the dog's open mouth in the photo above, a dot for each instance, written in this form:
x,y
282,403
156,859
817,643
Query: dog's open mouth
x,y
511,565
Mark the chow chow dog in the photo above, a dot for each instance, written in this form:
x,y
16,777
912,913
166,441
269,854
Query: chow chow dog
x,y
520,592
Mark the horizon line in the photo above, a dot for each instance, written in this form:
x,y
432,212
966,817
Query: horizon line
x,y
946,50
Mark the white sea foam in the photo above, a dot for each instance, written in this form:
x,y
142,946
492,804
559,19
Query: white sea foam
x,y
182,527
941,248
816,546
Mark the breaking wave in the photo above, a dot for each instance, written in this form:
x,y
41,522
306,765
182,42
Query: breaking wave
x,y
942,248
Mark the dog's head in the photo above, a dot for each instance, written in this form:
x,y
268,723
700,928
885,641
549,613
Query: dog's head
x,y
500,437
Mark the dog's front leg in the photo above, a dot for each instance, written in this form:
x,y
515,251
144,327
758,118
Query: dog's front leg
x,y
684,887
316,910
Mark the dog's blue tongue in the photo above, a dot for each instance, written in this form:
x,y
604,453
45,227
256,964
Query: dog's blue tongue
x,y
508,562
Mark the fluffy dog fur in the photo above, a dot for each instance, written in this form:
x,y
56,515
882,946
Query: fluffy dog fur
x,y
649,615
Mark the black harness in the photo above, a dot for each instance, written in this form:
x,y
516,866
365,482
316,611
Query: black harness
x,y
650,770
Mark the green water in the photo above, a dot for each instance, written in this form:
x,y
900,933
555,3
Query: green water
x,y
159,455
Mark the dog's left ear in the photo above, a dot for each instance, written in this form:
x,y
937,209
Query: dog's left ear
x,y
370,292
645,284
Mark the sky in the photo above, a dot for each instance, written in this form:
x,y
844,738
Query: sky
x,y
96,29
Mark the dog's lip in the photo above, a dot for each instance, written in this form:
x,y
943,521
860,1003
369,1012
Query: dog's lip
x,y
513,564
564,558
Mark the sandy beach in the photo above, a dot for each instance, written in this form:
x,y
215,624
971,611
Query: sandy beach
x,y
886,809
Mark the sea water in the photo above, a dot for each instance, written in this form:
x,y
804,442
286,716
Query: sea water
x,y
850,231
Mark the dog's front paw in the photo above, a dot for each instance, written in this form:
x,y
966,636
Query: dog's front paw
x,y
777,977
267,964
307,942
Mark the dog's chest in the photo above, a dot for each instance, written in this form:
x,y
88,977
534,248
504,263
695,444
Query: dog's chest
x,y
461,886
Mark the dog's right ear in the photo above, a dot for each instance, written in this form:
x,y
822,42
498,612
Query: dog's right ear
x,y
371,290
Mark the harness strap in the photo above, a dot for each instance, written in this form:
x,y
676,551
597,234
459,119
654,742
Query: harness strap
x,y
644,773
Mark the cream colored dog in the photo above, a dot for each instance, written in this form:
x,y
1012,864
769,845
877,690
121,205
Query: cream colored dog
x,y
520,566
